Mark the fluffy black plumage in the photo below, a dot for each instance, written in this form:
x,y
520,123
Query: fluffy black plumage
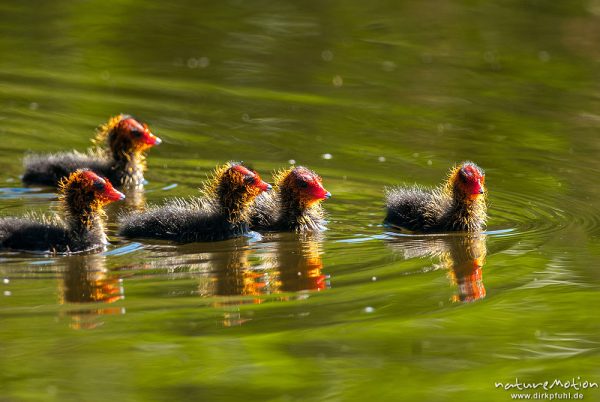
x,y
53,236
294,204
269,215
183,221
457,205
222,214
122,161
82,197
48,170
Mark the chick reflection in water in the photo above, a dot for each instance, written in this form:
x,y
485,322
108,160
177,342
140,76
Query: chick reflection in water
x,y
291,263
135,199
86,280
231,274
296,258
462,255
236,272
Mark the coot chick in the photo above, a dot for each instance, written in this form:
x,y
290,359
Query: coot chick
x,y
457,205
82,196
294,204
120,157
223,213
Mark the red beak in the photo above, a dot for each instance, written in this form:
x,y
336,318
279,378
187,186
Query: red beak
x,y
263,186
476,189
151,139
110,194
319,192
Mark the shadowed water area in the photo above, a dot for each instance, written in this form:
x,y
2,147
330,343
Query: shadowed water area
x,y
368,95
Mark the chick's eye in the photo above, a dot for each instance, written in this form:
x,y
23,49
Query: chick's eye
x,y
99,186
464,176
249,179
135,133
302,184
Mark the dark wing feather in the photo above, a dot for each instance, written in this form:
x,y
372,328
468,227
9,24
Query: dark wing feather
x,y
181,221
50,169
406,207
23,234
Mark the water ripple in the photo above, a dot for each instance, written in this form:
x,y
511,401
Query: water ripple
x,y
126,249
7,193
525,216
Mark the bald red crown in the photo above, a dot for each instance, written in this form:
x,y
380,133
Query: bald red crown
x,y
103,188
139,132
252,178
472,179
310,183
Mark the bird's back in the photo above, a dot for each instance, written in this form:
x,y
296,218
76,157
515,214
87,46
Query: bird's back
x,y
265,212
24,234
406,208
268,215
50,169
181,221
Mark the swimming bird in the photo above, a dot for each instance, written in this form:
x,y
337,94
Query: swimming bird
x,y
293,205
223,213
120,156
82,197
457,205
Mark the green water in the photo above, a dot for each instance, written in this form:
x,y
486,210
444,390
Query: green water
x,y
395,92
